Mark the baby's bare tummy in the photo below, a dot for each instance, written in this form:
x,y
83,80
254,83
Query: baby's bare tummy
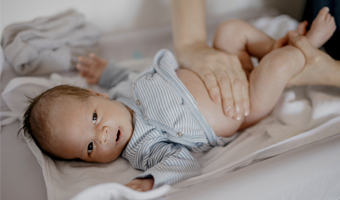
x,y
212,111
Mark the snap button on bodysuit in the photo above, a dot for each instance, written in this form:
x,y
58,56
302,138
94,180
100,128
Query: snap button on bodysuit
x,y
179,134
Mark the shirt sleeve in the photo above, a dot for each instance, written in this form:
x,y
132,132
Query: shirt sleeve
x,y
113,74
170,163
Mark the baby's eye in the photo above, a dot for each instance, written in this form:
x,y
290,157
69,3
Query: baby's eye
x,y
94,118
90,148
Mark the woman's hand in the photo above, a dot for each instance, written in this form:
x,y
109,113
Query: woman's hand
x,y
319,69
141,185
91,68
222,75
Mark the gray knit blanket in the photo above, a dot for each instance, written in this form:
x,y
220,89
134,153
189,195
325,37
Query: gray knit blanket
x,y
48,44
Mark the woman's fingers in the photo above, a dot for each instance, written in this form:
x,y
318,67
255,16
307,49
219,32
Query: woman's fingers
x,y
224,84
222,75
209,81
236,76
246,101
238,98
243,77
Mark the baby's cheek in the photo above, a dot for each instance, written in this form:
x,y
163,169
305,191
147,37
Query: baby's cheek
x,y
104,155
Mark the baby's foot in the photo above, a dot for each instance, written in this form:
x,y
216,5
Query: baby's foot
x,y
322,28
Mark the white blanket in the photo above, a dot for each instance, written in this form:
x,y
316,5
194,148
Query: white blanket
x,y
48,44
303,115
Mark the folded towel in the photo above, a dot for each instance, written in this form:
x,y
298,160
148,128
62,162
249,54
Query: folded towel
x,y
2,60
47,44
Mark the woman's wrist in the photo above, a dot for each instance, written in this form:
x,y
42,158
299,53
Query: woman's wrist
x,y
187,54
188,44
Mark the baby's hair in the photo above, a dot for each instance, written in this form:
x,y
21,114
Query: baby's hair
x,y
36,125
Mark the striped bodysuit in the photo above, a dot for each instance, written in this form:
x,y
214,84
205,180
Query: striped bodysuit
x,y
167,122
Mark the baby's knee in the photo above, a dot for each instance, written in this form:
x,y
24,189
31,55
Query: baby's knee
x,y
231,27
233,23
287,60
229,33
292,56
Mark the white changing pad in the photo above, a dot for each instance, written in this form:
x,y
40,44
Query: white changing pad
x,y
309,114
302,116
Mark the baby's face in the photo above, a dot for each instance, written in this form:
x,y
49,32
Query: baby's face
x,y
94,130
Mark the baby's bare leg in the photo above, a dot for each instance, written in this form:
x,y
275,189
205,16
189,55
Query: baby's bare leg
x,y
244,40
269,79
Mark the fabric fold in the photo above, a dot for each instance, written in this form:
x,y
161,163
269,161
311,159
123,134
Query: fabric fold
x,y
48,44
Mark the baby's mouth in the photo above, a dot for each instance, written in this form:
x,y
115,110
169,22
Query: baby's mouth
x,y
118,134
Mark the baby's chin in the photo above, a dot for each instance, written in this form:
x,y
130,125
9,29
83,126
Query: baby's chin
x,y
100,161
104,159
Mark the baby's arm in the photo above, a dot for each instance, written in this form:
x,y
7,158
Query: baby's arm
x,y
164,163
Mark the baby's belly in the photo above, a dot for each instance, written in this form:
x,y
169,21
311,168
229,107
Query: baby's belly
x,y
212,111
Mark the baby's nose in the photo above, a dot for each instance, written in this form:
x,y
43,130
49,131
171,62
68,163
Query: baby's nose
x,y
103,135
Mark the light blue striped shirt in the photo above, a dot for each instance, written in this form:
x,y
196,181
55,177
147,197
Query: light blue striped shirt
x,y
167,122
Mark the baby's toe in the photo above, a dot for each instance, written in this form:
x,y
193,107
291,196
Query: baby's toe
x,y
324,11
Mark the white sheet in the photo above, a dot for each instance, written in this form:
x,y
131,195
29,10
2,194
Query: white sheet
x,y
307,173
221,162
264,140
265,134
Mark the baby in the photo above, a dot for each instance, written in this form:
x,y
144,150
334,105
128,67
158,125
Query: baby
x,y
154,119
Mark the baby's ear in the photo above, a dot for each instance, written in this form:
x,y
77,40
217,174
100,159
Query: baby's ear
x,y
93,92
105,95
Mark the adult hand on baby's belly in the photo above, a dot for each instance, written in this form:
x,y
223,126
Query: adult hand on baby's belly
x,y
212,111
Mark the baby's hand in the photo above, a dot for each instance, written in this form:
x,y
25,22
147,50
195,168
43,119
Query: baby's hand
x,y
91,67
280,42
141,185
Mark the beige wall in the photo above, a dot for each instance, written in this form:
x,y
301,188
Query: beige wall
x,y
119,15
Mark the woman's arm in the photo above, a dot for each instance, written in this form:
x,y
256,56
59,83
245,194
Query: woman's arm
x,y
221,73
188,18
